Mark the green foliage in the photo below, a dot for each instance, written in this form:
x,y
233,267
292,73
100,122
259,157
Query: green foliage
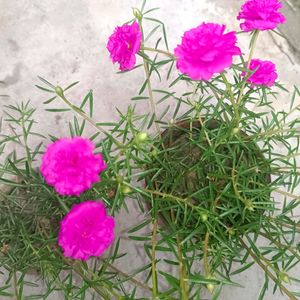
x,y
207,172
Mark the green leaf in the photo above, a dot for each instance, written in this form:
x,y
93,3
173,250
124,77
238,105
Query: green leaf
x,y
138,98
50,100
46,82
44,89
71,85
242,269
57,109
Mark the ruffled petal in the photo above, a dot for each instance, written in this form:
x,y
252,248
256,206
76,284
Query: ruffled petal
x,y
123,45
70,166
265,73
205,51
86,230
260,15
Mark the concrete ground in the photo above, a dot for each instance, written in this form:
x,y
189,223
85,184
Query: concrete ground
x,y
64,41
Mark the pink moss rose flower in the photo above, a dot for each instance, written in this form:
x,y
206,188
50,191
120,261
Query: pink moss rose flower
x,y
70,166
123,45
265,74
86,230
261,15
206,50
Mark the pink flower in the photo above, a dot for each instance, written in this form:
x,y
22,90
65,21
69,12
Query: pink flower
x,y
70,166
86,230
265,74
206,50
260,15
123,45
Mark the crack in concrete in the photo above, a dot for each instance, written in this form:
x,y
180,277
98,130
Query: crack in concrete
x,y
281,48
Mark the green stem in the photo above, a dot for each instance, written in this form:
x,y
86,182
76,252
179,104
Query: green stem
x,y
63,204
97,289
205,255
167,53
219,98
205,132
177,199
15,286
269,133
232,100
256,33
27,149
60,201
149,87
184,290
100,129
270,275
153,254
246,202
295,197
282,246
129,277
84,273
295,226
150,92
296,108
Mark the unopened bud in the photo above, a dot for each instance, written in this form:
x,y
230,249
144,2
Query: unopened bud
x,y
285,278
235,130
137,13
204,217
249,205
210,287
154,153
59,91
126,189
231,231
141,137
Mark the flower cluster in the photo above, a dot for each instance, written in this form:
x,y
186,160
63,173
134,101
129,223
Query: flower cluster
x,y
205,50
70,165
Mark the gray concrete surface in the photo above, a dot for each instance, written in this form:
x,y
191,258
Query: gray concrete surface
x,y
292,13
64,41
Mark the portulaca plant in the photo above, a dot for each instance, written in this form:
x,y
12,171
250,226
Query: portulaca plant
x,y
211,167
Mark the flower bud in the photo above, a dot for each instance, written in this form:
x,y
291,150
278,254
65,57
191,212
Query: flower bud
x,y
59,91
231,231
137,13
204,217
141,137
154,153
285,278
249,205
126,189
235,130
210,287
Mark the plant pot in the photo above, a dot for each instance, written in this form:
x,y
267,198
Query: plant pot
x,y
227,182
